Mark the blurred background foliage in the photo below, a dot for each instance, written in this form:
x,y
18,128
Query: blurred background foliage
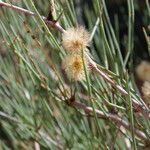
x,y
32,84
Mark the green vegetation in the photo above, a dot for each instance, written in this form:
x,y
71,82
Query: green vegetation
x,y
41,109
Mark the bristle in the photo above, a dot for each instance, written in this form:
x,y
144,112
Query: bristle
x,y
146,92
73,67
75,39
143,71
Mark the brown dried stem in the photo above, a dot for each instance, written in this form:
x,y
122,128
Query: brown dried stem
x,y
115,118
30,13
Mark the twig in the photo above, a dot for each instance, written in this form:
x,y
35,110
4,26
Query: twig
x,y
30,13
115,118
137,105
88,110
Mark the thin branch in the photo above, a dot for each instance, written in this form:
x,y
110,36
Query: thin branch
x,y
30,13
137,105
88,110
19,9
115,118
